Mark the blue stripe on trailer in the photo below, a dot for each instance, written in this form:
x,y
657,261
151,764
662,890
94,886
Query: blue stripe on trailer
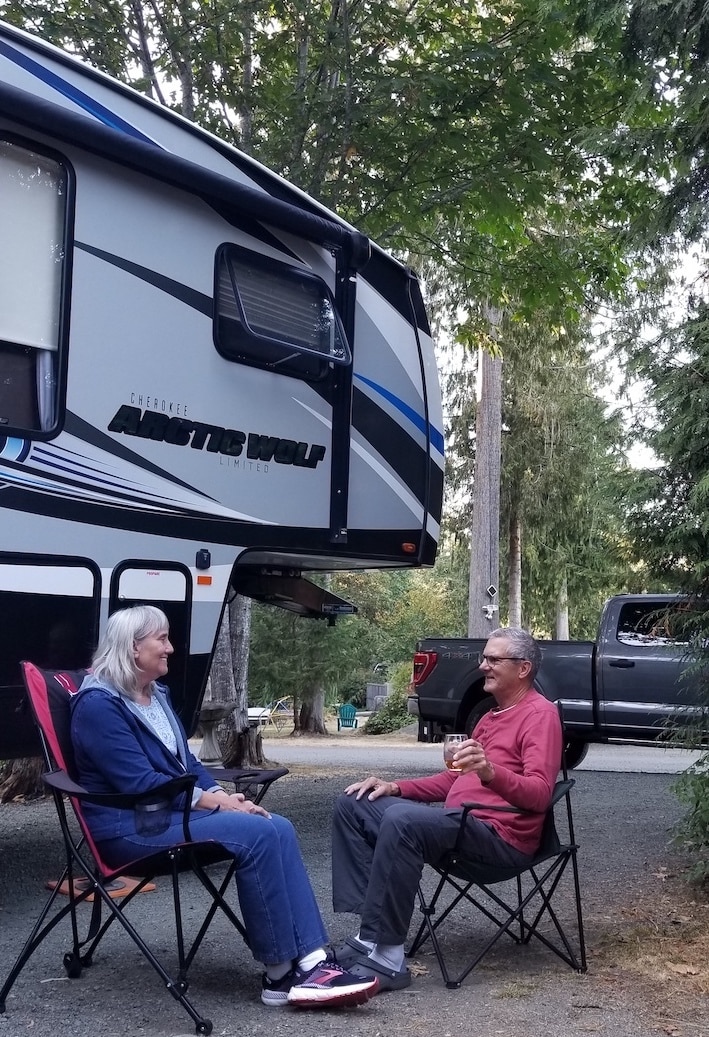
x,y
68,90
418,420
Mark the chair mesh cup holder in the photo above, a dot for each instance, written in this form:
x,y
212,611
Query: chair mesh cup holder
x,y
152,816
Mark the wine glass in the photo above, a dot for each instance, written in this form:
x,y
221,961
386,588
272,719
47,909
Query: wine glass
x,y
451,745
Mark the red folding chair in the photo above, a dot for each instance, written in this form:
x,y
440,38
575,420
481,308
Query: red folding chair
x,y
87,875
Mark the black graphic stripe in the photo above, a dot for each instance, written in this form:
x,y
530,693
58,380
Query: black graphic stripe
x,y
76,426
384,434
382,545
189,296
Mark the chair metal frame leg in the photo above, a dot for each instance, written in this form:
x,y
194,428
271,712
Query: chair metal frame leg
x,y
543,888
77,959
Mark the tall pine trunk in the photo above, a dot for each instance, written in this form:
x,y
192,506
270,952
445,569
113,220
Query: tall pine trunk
x,y
310,719
241,744
485,526
562,612
515,571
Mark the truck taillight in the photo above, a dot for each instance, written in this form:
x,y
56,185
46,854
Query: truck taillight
x,y
424,663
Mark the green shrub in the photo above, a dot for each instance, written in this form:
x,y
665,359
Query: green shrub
x,y
391,715
401,676
692,789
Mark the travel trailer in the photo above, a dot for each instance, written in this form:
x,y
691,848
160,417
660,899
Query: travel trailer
x,y
209,383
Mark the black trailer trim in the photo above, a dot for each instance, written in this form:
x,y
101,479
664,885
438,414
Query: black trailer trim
x,y
59,123
381,544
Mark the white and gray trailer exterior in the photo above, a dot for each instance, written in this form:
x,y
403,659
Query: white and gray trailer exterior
x,y
208,381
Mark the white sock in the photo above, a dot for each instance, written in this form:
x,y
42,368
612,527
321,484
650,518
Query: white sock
x,y
391,955
279,970
367,943
309,961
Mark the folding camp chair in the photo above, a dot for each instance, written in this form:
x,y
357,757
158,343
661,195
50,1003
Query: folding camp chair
x,y
281,714
346,716
87,875
519,912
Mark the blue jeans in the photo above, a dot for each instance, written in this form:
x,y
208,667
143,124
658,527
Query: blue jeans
x,y
278,906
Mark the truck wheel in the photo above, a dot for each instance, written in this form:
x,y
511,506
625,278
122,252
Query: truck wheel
x,y
479,710
574,752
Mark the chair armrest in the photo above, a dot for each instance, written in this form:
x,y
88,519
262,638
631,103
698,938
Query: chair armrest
x,y
249,777
232,773
561,789
256,775
61,782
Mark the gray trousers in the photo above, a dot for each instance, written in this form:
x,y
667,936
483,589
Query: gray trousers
x,y
379,849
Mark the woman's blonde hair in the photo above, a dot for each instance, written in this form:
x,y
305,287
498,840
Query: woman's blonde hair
x,y
114,659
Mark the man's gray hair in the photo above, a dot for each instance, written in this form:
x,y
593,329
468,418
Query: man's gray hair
x,y
114,659
522,645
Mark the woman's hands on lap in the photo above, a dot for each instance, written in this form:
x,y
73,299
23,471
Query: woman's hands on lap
x,y
234,801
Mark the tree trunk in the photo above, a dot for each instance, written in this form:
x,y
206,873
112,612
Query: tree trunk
x,y
311,716
246,113
485,527
240,744
515,574
562,612
244,748
22,779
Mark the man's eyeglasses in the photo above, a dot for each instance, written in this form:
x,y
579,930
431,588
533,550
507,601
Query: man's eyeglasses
x,y
494,660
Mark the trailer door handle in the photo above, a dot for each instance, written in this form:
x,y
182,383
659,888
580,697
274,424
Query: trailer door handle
x,y
622,664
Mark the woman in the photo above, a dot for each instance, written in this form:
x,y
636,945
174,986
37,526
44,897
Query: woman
x,y
128,739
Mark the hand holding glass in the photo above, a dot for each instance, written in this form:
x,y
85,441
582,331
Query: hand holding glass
x,y
451,745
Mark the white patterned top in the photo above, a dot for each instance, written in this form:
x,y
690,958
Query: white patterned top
x,y
155,716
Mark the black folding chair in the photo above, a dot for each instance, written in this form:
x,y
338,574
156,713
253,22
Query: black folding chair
x,y
87,875
523,910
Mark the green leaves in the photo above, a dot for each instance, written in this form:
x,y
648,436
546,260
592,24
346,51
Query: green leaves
x,y
454,136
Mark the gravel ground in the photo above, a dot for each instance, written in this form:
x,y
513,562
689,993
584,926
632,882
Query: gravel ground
x,y
623,823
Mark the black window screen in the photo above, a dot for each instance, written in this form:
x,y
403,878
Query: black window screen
x,y
275,315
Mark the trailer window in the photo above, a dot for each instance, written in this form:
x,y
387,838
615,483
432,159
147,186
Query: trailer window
x,y
169,587
276,315
33,194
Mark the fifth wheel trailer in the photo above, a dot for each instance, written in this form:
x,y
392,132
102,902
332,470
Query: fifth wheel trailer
x,y
208,381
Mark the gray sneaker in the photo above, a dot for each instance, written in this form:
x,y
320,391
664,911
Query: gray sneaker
x,y
389,979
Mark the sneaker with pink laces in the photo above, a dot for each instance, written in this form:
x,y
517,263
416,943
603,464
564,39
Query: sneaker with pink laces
x,y
329,985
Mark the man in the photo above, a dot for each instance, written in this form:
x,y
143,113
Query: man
x,y
384,831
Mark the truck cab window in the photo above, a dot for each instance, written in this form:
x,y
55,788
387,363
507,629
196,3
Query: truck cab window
x,y
33,198
275,315
649,624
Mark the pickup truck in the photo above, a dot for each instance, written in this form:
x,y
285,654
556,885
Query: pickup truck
x,y
625,686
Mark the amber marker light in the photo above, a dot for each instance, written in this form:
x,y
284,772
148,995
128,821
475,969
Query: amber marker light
x,y
204,581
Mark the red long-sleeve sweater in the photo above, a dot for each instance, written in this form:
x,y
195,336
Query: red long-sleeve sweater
x,y
524,745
